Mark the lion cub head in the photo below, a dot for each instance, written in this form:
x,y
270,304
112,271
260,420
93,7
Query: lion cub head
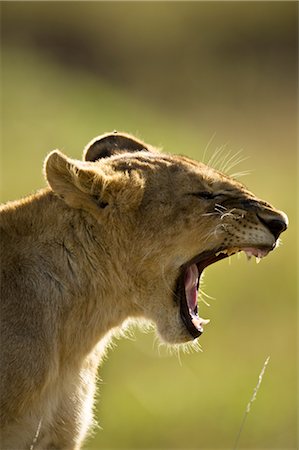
x,y
164,219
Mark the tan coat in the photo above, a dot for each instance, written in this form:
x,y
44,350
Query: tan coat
x,y
124,234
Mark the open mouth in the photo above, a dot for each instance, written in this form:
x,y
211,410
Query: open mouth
x,y
189,279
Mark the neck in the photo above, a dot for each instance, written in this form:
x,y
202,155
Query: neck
x,y
83,279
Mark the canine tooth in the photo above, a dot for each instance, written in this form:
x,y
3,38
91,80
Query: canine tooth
x,y
258,259
204,321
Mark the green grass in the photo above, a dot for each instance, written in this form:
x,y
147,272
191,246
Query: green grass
x,y
147,400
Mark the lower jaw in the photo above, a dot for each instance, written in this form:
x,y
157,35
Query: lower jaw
x,y
192,322
194,329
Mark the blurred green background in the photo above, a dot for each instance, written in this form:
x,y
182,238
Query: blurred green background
x,y
179,75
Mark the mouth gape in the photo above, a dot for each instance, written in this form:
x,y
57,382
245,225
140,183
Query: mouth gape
x,y
189,279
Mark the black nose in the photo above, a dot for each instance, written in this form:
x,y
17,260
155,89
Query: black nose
x,y
275,222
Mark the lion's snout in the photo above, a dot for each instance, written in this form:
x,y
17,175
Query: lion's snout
x,y
275,221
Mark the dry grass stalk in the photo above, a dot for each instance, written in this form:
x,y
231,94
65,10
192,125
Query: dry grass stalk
x,y
248,407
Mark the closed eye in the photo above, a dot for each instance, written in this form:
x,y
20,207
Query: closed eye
x,y
205,195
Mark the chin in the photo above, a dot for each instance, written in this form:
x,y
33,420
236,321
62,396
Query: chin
x,y
173,331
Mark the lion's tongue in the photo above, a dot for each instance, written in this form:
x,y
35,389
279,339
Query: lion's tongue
x,y
191,285
191,282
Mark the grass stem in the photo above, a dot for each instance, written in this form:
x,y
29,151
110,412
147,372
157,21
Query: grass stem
x,y
248,407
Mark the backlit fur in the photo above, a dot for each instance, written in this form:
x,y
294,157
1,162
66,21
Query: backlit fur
x,y
103,243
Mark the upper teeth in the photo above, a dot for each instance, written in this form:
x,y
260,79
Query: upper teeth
x,y
249,251
229,251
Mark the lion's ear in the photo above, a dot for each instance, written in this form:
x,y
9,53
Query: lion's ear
x,y
87,186
112,143
71,180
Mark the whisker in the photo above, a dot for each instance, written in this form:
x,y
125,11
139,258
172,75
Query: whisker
x,y
219,212
201,299
211,214
210,233
216,157
221,157
231,160
241,174
213,157
228,214
220,206
219,228
207,295
225,161
207,147
236,163
202,294
178,354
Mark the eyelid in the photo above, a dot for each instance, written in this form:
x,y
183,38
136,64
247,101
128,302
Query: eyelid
x,y
206,195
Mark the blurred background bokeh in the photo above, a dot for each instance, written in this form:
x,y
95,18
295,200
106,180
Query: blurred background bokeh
x,y
188,77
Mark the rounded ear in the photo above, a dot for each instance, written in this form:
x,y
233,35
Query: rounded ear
x,y
110,144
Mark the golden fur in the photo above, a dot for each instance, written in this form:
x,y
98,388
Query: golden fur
x,y
105,242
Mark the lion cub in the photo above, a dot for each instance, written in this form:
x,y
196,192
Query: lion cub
x,y
126,233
